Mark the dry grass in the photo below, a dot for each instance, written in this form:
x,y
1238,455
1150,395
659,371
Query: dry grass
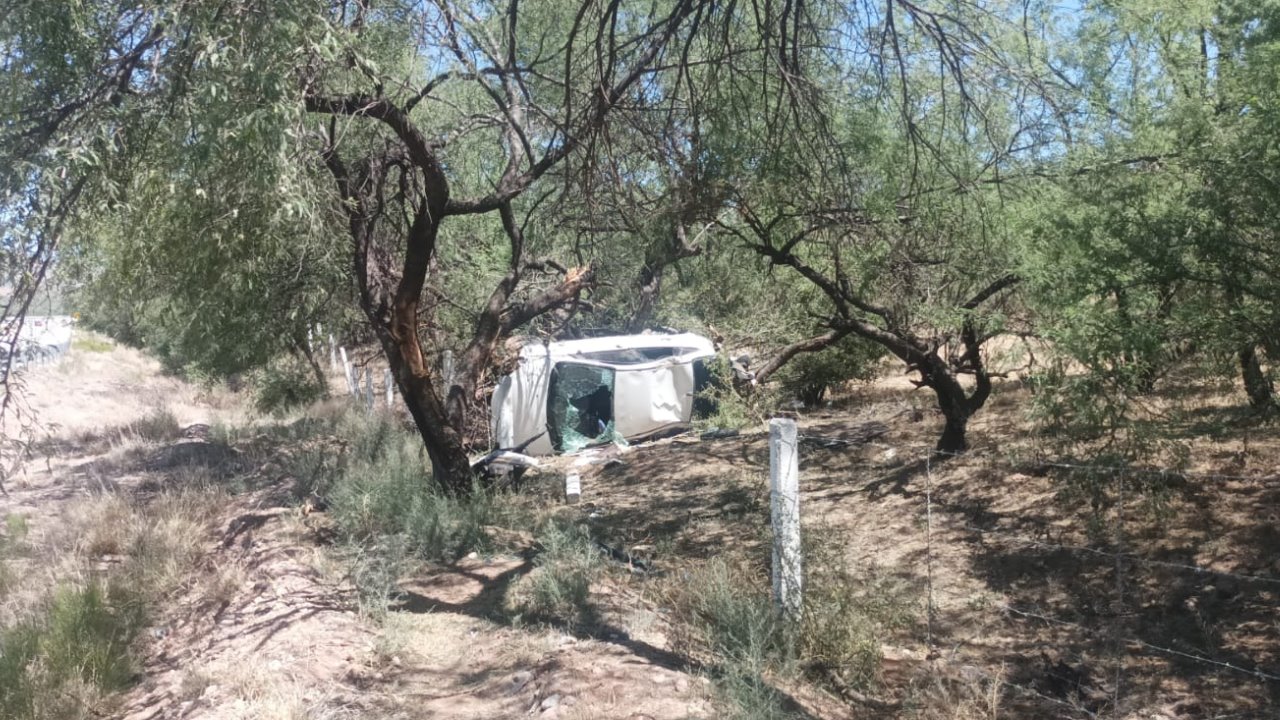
x,y
67,631
966,693
254,688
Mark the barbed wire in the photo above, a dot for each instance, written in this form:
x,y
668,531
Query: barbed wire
x,y
921,451
926,458
1256,672
1133,557
1122,640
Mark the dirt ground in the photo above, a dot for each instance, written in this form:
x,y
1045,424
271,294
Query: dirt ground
x,y
1037,589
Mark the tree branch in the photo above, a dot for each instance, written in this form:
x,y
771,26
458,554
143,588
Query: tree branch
x,y
813,344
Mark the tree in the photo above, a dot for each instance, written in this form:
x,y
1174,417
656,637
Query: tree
x,y
1154,239
424,115
885,203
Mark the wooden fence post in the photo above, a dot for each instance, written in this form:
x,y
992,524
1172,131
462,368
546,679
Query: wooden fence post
x,y
368,389
784,503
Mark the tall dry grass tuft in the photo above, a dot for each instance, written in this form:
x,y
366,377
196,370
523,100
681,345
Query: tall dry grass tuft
x,y
253,689
158,426
968,694
68,632
722,616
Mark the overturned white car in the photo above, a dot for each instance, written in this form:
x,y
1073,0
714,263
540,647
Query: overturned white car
x,y
581,392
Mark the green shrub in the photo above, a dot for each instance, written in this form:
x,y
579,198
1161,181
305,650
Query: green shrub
x,y
19,647
747,696
78,645
809,376
389,512
842,626
726,614
559,587
847,614
382,487
284,384
88,633
720,404
16,529
376,568
723,614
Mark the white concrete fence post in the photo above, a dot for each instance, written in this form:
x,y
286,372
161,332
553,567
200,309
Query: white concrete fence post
x,y
784,503
333,354
368,389
346,369
446,373
390,387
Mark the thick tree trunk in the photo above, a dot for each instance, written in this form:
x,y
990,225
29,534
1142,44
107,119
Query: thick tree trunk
x,y
647,290
956,407
657,260
450,464
1256,383
953,440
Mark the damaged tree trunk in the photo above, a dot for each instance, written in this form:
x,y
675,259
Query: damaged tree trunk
x,y
405,176
390,299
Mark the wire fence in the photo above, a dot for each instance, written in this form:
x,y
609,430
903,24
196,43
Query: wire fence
x,y
42,340
1092,624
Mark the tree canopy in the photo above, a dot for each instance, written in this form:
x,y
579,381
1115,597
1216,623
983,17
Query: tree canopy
x,y
804,178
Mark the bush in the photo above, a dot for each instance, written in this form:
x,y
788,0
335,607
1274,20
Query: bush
x,y
284,384
809,376
160,425
722,614
15,532
388,510
89,631
844,620
559,587
720,405
54,664
382,487
847,614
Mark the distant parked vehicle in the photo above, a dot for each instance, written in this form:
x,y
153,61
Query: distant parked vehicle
x,y
40,339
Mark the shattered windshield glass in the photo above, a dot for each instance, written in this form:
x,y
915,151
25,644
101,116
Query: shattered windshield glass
x,y
579,406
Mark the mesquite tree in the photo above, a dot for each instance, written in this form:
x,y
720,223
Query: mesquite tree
x,y
214,132
1157,247
553,81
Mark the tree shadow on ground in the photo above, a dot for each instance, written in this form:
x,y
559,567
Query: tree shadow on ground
x,y
1131,607
488,604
